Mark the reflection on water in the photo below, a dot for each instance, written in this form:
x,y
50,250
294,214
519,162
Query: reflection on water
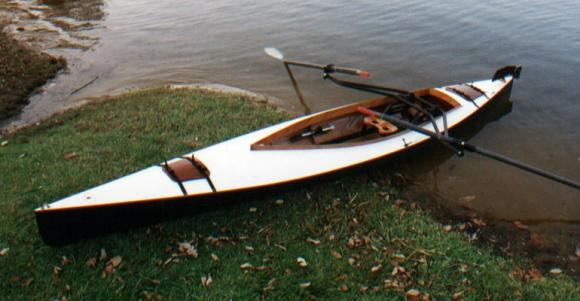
x,y
116,44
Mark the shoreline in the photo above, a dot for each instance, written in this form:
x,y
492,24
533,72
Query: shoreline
x,y
24,70
14,127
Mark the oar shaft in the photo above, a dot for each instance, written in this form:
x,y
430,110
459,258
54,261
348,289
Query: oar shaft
x,y
330,68
521,165
472,148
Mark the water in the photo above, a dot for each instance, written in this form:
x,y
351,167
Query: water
x,y
118,44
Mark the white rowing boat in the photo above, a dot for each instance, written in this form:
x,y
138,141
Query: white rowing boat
x,y
302,148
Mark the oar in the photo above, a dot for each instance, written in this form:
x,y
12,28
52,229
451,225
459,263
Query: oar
x,y
275,53
330,68
471,148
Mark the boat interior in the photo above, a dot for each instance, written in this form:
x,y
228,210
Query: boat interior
x,y
346,126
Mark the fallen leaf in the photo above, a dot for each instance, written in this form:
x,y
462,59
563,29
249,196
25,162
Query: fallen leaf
x,y
70,155
279,202
364,289
253,209
376,268
151,296
249,248
335,254
281,247
577,252
270,285
263,268
312,241
343,288
555,271
447,228
478,222
56,270
4,143
103,255
540,242
535,274
4,251
112,264
91,262
395,271
247,266
305,285
214,257
399,203
467,202
301,262
458,295
28,282
187,249
413,294
520,226
206,280
65,261
351,261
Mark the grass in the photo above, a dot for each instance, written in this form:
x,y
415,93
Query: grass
x,y
22,70
358,241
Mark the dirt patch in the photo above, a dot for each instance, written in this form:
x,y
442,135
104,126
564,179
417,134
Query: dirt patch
x,y
22,71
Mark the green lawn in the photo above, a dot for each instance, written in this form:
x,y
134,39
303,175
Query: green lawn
x,y
345,238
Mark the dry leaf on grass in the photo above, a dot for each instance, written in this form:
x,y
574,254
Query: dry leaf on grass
x,y
56,270
91,262
270,285
247,266
466,202
103,255
65,261
112,264
301,262
312,241
70,155
28,282
413,294
377,268
555,271
520,225
206,280
534,274
214,257
335,254
4,251
305,285
187,249
479,222
281,247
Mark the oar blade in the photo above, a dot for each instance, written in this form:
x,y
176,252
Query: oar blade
x,y
273,52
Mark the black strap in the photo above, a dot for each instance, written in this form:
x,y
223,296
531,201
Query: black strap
x,y
202,169
173,176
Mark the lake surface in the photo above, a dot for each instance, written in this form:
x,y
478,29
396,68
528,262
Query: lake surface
x,y
117,44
